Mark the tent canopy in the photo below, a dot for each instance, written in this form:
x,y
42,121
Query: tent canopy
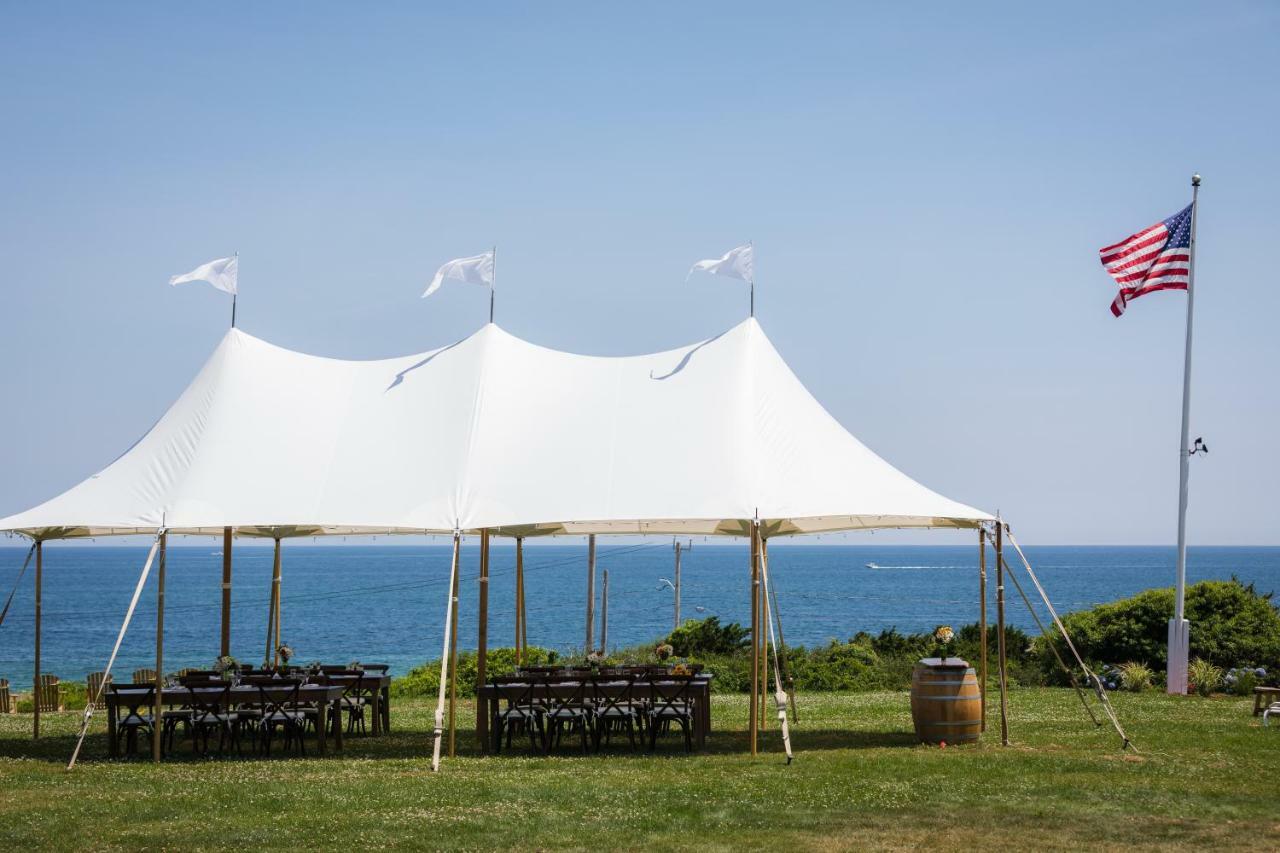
x,y
495,433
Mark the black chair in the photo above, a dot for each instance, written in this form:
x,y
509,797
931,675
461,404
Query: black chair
x,y
671,704
211,712
522,712
132,699
614,707
564,708
280,709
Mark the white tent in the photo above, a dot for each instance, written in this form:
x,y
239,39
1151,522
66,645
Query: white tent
x,y
499,434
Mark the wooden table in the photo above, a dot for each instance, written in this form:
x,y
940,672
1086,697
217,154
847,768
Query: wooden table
x,y
379,687
699,692
325,697
1264,696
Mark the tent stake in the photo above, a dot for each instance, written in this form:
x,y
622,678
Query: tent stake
x,y
157,719
982,621
225,647
482,643
451,607
1004,673
35,690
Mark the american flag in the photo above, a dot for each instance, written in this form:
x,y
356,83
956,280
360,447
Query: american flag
x,y
1157,258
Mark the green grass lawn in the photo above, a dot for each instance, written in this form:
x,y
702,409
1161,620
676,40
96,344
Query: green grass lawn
x,y
1207,775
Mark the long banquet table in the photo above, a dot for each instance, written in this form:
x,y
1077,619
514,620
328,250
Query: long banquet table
x,y
699,692
325,697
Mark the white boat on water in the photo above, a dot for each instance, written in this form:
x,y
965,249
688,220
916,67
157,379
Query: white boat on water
x,y
872,566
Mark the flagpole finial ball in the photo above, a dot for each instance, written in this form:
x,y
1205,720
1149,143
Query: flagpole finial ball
x,y
1195,180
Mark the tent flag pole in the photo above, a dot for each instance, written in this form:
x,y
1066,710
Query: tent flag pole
x,y
779,694
752,722
482,642
1000,650
493,285
35,684
453,662
225,647
233,296
982,621
451,607
115,650
21,573
157,718
591,592
1097,682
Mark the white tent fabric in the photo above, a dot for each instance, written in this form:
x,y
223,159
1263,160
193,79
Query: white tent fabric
x,y
495,432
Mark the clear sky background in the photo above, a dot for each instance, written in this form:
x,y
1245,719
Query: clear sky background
x,y
927,187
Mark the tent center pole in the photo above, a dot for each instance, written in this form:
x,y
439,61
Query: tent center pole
x,y
591,593
157,719
225,646
482,643
753,721
35,684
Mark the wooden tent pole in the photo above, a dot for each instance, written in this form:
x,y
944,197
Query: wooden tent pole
x,y
35,690
225,647
482,642
519,600
982,621
676,619
271,621
157,718
453,652
591,592
275,597
763,659
753,720
1004,673
604,614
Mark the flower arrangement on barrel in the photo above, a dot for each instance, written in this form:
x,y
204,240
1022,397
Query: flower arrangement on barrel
x,y
943,637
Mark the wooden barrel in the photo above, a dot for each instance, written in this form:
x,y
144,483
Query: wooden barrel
x,y
946,704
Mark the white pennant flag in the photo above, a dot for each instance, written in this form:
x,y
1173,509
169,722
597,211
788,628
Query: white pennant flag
x,y
477,269
735,263
221,273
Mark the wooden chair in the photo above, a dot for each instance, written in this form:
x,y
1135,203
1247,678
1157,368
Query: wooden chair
x,y
672,704
134,703
522,712
49,695
6,701
281,709
615,708
144,675
95,691
564,708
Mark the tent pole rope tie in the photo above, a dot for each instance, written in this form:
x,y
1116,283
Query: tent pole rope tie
x,y
23,571
782,648
779,694
1049,640
106,673
1097,683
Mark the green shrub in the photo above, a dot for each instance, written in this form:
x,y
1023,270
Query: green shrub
x,y
837,666
1136,677
424,679
1204,676
708,637
1231,624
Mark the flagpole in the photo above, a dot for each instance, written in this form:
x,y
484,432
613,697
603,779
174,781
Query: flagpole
x,y
753,277
493,284
1179,627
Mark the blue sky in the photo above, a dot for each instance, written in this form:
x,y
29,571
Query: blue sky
x,y
926,187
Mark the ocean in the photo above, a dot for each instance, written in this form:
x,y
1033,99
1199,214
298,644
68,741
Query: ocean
x,y
376,603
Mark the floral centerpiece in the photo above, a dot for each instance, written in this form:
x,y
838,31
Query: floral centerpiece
x,y
682,669
285,652
664,651
226,664
595,659
943,637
